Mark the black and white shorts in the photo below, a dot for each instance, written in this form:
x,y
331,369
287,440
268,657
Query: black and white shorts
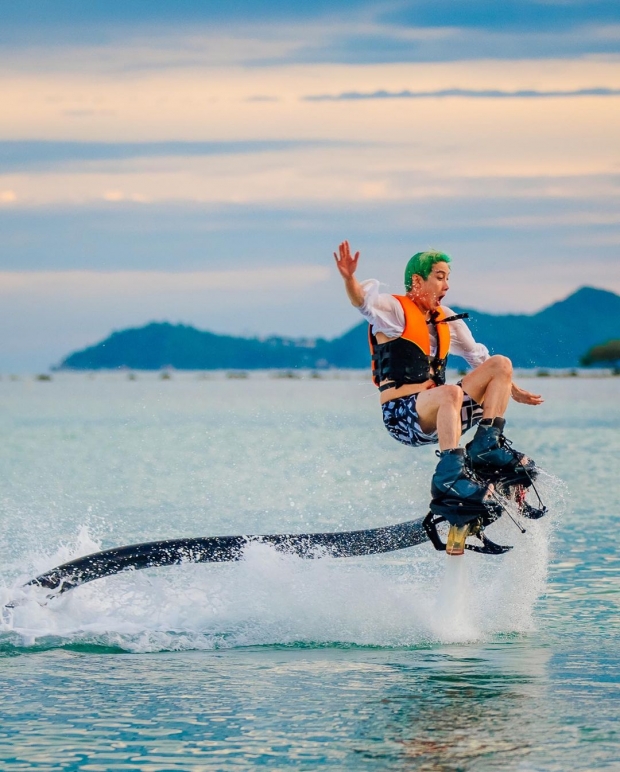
x,y
401,419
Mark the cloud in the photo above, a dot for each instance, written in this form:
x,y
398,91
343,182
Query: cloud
x,y
385,44
87,113
509,15
597,240
568,219
50,154
264,34
464,93
7,196
139,284
397,174
114,195
104,19
117,16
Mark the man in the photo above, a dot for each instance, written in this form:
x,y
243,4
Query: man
x,y
410,336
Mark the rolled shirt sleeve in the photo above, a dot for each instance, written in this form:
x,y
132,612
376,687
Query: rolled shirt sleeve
x,y
382,311
462,343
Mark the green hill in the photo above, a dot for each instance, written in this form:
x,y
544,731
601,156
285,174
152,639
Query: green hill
x,y
159,345
557,336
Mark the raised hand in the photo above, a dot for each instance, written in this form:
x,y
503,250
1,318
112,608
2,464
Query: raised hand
x,y
346,263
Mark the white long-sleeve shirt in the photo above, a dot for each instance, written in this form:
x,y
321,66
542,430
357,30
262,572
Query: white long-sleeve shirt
x,y
385,314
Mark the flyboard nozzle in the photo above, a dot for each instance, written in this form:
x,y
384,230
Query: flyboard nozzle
x,y
455,544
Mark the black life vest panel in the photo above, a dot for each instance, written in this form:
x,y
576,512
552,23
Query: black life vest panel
x,y
408,359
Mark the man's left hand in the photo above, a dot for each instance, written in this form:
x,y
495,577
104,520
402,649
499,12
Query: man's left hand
x,y
525,397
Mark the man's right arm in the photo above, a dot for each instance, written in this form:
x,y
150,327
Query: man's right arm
x,y
347,265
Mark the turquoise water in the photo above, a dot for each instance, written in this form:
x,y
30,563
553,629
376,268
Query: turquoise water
x,y
402,661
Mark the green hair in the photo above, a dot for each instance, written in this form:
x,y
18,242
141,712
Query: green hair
x,y
421,264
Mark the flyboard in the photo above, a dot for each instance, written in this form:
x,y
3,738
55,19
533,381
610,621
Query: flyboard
x,y
222,549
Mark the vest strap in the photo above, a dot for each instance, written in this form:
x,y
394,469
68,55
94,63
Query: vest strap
x,y
388,385
448,319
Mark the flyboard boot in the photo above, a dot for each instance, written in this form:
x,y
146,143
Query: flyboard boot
x,y
493,459
457,498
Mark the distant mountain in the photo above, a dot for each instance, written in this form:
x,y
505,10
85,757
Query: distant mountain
x,y
557,336
160,345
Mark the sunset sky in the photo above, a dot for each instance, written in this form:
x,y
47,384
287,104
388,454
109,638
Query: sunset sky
x,y
199,161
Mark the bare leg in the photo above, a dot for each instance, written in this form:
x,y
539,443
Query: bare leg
x,y
440,409
490,385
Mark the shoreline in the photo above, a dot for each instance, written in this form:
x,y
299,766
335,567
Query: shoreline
x,y
169,374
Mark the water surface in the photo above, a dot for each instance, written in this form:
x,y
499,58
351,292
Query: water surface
x,y
401,661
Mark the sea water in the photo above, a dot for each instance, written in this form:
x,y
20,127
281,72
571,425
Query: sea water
x,y
409,660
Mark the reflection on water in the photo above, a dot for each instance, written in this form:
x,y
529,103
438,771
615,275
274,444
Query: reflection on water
x,y
456,711
447,709
508,705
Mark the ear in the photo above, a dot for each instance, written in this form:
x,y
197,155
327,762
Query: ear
x,y
416,282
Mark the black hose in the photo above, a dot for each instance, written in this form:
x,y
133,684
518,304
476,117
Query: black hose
x,y
222,549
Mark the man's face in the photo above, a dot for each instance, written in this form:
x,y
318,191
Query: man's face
x,y
428,293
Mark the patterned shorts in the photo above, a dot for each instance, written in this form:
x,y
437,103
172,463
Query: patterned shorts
x,y
401,419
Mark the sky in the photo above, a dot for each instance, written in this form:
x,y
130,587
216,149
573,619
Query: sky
x,y
199,162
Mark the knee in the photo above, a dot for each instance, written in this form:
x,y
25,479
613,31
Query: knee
x,y
501,365
452,395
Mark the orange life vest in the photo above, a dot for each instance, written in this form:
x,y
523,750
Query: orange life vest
x,y
408,359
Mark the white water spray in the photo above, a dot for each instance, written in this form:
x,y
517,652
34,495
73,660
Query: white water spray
x,y
407,598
